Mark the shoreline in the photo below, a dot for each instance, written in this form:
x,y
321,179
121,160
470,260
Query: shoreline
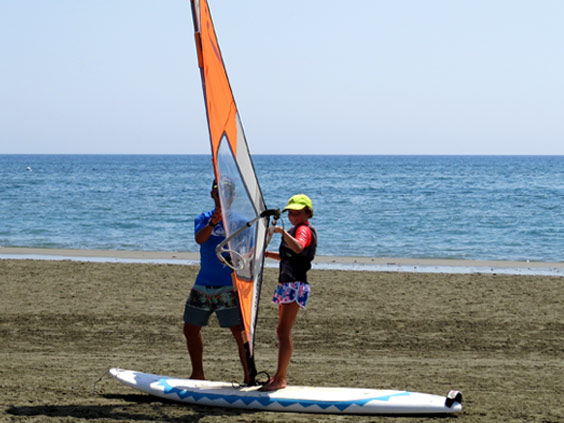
x,y
375,264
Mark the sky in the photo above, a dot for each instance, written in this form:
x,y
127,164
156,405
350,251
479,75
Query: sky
x,y
309,77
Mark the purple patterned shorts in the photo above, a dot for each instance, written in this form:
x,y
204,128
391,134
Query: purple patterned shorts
x,y
288,292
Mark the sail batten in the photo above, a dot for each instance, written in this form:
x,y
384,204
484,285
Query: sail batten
x,y
241,199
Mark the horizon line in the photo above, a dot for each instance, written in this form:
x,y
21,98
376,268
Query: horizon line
x,y
306,154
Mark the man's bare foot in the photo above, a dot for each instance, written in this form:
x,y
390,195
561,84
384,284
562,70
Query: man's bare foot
x,y
197,377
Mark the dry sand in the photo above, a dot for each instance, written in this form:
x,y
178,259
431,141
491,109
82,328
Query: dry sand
x,y
497,338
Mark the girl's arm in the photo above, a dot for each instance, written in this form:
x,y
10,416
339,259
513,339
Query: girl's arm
x,y
272,255
295,245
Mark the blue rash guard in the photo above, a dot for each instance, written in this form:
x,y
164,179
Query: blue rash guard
x,y
212,271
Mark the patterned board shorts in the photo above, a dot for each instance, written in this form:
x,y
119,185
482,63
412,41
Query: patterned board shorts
x,y
288,292
205,300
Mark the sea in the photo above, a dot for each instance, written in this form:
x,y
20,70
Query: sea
x,y
435,207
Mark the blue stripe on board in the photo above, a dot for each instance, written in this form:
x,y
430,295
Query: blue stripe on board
x,y
266,401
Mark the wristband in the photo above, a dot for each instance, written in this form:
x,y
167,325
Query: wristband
x,y
213,225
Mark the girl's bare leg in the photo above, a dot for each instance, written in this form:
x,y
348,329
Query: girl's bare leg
x,y
287,314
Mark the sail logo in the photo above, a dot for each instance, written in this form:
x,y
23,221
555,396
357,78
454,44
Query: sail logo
x,y
218,230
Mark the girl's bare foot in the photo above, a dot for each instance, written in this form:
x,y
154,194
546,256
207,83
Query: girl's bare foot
x,y
273,385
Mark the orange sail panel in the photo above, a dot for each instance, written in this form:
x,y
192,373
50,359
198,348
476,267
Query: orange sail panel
x,y
239,191
220,103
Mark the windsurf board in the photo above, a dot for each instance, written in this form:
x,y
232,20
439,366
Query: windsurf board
x,y
301,399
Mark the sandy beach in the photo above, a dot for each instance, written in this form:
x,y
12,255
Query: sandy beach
x,y
497,338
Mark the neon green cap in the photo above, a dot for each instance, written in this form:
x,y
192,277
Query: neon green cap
x,y
299,202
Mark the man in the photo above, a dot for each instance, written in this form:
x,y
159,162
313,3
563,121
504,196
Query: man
x,y
212,291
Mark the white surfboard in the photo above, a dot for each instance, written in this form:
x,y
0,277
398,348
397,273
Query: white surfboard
x,y
301,399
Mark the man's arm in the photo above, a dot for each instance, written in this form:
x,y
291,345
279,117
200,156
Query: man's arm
x,y
204,234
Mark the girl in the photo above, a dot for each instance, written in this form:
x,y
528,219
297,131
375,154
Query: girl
x,y
296,253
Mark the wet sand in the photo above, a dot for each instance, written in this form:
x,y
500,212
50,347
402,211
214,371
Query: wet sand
x,y
497,338
321,262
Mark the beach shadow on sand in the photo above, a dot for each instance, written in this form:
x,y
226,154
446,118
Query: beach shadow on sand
x,y
125,412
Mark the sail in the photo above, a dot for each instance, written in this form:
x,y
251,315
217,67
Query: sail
x,y
241,199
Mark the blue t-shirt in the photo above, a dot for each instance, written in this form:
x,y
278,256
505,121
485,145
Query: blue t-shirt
x,y
212,271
